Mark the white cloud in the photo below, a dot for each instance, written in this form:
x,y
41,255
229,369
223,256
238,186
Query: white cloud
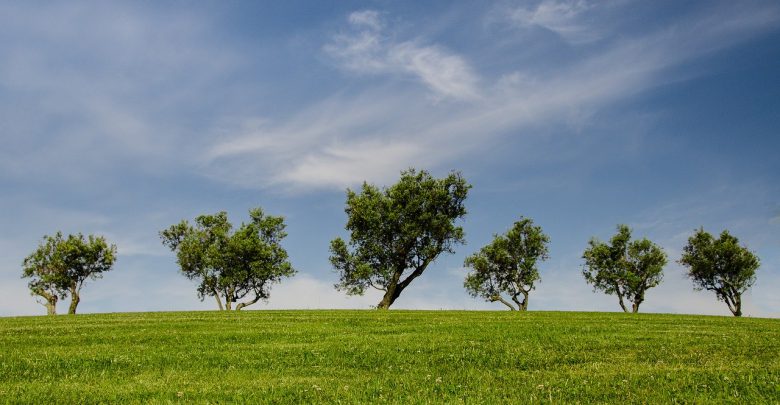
x,y
366,18
372,135
366,50
445,73
124,89
82,69
339,164
563,17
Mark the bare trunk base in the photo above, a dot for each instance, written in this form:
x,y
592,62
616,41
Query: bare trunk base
x,y
51,307
74,302
389,298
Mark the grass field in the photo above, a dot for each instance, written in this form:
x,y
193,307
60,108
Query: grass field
x,y
392,356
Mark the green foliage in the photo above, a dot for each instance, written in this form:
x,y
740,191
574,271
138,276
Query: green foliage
x,y
231,266
46,271
720,265
60,267
481,357
395,233
624,267
508,265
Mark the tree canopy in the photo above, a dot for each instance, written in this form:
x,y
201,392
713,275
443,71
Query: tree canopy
x,y
60,266
508,265
721,265
396,232
231,266
623,267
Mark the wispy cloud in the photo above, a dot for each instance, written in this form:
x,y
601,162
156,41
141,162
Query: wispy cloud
x,y
563,17
366,49
112,115
372,134
71,98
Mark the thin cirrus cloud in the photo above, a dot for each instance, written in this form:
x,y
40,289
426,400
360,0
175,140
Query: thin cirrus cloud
x,y
564,18
371,134
366,49
72,77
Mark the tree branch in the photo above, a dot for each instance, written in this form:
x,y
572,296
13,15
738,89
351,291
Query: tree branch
x,y
503,301
376,287
620,297
416,273
219,301
248,303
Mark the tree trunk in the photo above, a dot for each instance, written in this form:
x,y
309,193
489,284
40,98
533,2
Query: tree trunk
x,y
733,300
50,301
521,305
503,301
390,294
247,303
74,301
219,300
622,305
635,307
737,311
620,299
51,307
388,298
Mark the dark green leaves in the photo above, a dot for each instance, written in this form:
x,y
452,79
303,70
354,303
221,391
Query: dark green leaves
x,y
396,232
60,266
508,264
231,265
624,267
720,265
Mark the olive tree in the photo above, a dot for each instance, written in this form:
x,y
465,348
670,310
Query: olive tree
x,y
624,267
721,265
396,232
60,267
46,273
508,265
231,266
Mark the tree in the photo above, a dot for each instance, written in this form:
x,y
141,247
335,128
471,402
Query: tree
x,y
624,267
44,268
231,266
396,232
508,265
720,265
60,267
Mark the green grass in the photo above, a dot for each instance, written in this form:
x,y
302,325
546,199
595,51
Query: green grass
x,y
393,356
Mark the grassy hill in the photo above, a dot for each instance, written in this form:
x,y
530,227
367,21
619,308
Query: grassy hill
x,y
393,356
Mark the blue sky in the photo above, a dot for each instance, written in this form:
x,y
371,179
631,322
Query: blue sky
x,y
123,118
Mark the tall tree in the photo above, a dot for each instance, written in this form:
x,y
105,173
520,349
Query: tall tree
x,y
396,232
721,265
60,267
508,265
231,266
624,267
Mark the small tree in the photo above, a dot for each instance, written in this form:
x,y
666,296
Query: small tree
x,y
231,266
624,267
60,267
508,265
45,269
720,265
395,233
85,259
